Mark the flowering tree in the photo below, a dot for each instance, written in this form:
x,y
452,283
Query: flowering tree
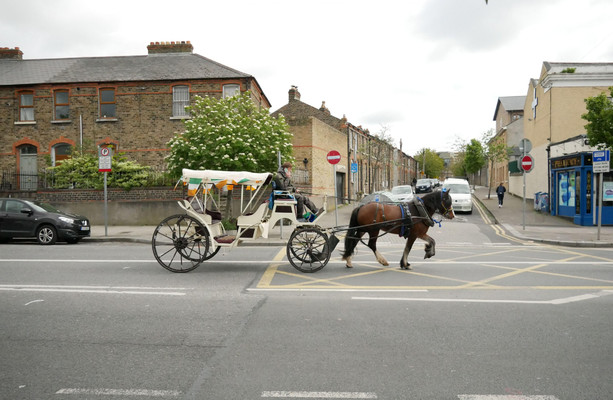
x,y
230,134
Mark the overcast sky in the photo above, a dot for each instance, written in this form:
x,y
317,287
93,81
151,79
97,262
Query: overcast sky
x,y
427,71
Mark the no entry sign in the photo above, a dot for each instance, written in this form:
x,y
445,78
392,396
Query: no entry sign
x,y
334,157
527,163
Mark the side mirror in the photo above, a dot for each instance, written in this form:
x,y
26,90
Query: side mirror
x,y
26,211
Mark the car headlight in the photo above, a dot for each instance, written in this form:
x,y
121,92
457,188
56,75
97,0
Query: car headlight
x,y
67,220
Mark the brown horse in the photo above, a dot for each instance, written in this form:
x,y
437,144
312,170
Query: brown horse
x,y
372,217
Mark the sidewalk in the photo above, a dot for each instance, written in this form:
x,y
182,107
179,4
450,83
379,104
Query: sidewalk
x,y
539,227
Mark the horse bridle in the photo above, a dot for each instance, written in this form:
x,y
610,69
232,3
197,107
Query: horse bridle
x,y
446,210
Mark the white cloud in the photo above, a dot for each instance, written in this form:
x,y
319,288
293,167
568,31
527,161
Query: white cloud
x,y
429,70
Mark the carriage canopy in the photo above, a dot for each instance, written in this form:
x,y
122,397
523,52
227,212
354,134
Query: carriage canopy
x,y
222,178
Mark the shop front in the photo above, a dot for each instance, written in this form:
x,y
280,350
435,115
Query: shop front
x,y
574,190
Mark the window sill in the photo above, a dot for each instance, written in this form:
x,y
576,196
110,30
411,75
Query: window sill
x,y
181,118
61,121
107,120
25,122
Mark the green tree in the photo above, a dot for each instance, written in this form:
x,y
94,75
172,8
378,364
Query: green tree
x,y
494,150
230,134
434,165
600,120
474,158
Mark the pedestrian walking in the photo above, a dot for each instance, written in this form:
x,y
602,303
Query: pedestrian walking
x,y
500,192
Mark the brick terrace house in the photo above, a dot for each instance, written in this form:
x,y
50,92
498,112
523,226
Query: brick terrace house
x,y
510,130
134,103
376,164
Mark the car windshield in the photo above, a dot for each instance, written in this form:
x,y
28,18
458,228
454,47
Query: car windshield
x,y
423,181
458,188
38,206
402,190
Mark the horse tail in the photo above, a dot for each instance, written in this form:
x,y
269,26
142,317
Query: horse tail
x,y
351,239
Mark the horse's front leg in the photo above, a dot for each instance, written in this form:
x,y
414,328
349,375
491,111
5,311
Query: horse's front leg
x,y
372,244
404,264
430,246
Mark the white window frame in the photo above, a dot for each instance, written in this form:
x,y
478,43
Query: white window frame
x,y
180,100
231,89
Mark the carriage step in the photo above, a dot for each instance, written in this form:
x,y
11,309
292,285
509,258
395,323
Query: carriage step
x,y
225,238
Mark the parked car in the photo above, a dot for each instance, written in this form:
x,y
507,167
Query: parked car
x,y
402,193
32,219
460,193
423,186
435,182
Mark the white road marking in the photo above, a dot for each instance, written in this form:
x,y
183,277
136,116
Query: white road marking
x,y
120,392
333,290
440,300
320,395
504,397
33,301
94,289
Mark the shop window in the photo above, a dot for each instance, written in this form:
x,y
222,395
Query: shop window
x,y
180,100
26,106
107,103
566,189
62,107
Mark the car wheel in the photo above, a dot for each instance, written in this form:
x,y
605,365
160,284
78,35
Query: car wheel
x,y
73,240
46,235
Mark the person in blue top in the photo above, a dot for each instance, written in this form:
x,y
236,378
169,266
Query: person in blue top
x,y
500,192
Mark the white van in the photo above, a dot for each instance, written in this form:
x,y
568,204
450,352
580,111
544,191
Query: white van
x,y
460,193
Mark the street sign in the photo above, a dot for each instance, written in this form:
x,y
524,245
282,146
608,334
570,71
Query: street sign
x,y
354,167
334,157
526,163
525,145
600,161
104,159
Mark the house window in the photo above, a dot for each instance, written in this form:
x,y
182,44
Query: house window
x,y
180,100
230,90
60,153
62,109
26,106
107,103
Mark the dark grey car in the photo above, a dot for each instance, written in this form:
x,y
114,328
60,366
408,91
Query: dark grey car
x,y
32,219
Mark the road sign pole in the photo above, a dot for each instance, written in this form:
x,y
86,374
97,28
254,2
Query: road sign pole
x,y
600,196
106,210
523,215
335,195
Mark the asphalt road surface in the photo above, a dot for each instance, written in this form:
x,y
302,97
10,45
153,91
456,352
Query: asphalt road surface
x,y
488,317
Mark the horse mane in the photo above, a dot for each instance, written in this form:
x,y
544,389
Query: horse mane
x,y
430,200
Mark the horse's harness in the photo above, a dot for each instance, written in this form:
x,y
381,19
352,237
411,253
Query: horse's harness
x,y
406,222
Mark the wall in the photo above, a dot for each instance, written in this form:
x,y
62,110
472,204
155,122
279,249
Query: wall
x,y
134,207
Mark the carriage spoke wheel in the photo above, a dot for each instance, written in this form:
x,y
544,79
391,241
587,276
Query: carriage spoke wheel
x,y
308,249
180,243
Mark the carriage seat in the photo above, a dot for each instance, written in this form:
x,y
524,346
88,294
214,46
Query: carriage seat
x,y
208,216
253,225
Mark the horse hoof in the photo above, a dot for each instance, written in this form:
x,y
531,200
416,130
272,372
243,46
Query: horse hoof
x,y
349,266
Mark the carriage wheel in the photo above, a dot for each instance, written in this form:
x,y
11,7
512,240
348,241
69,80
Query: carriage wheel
x,y
180,243
308,249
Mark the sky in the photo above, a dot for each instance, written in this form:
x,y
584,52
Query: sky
x,y
427,72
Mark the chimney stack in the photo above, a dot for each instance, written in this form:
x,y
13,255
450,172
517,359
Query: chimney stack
x,y
294,94
170,47
10,54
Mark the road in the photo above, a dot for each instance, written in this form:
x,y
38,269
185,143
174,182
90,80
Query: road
x,y
488,317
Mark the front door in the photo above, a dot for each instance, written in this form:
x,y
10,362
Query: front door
x,y
28,168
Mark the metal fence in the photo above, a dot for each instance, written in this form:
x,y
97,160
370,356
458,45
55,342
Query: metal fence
x,y
10,180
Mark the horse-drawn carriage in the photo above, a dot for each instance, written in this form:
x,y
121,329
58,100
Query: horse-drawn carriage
x,y
181,242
